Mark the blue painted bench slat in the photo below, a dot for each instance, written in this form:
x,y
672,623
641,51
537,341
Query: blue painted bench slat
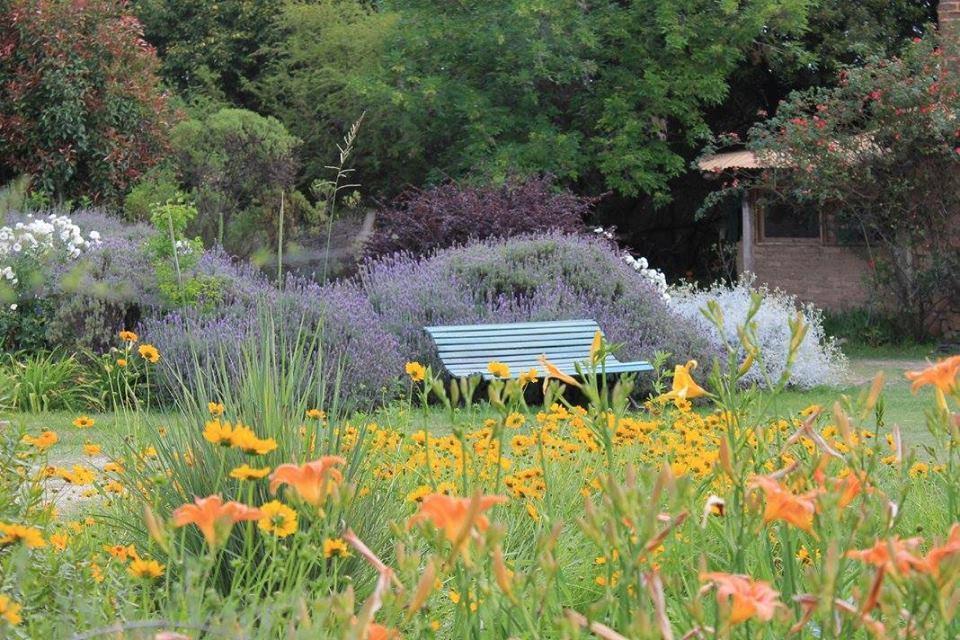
x,y
467,349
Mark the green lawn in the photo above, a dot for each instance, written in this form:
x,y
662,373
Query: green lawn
x,y
901,408
109,430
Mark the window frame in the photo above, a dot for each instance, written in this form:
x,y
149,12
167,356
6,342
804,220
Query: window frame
x,y
761,232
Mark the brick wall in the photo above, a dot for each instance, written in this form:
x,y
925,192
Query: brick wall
x,y
830,277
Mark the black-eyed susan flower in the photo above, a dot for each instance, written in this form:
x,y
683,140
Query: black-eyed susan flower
x,y
335,548
278,519
83,422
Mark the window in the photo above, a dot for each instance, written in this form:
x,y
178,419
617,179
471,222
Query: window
x,y
780,220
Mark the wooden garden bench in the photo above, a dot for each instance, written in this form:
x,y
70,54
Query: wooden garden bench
x,y
467,349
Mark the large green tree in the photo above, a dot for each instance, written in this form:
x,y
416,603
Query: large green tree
x,y
609,94
211,49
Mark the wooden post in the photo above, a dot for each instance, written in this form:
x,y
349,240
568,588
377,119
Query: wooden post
x,y
746,239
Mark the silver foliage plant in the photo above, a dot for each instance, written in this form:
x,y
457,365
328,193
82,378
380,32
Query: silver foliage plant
x,y
819,360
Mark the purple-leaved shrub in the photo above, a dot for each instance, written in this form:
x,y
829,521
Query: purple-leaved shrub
x,y
451,214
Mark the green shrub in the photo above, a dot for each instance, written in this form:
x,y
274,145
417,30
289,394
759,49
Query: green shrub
x,y
157,185
235,162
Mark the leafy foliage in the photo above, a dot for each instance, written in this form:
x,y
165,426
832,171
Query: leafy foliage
x,y
80,104
494,88
451,214
210,49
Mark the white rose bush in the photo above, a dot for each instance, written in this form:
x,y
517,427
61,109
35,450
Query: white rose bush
x,y
29,247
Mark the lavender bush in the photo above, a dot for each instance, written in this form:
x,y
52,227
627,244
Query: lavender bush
x,y
551,276
355,350
819,361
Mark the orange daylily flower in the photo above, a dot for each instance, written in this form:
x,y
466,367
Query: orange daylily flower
x,y
455,517
596,345
684,386
938,555
894,554
783,504
313,481
214,517
379,632
942,375
748,598
554,372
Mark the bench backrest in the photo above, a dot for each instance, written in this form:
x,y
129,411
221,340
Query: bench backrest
x,y
467,349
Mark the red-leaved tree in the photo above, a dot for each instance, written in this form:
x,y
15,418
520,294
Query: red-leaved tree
x,y
81,108
879,154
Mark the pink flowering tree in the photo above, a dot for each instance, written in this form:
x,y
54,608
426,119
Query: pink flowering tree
x,y
879,154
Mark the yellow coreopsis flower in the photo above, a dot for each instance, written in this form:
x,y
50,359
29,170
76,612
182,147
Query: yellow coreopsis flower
x,y
44,441
216,409
515,420
246,472
528,376
335,547
31,537
59,541
149,353
416,371
498,369
149,569
246,440
216,432
10,611
83,422
278,519
128,336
